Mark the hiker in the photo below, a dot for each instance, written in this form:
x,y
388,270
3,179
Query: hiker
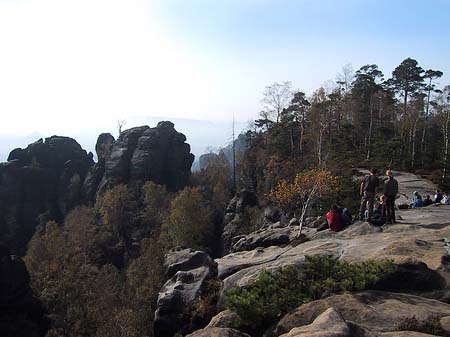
x,y
390,192
334,218
427,201
446,199
379,213
438,197
367,191
417,200
346,216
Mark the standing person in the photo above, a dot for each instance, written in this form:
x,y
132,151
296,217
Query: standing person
x,y
368,188
390,192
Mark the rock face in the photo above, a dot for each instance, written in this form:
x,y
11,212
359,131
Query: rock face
x,y
188,272
234,220
141,154
328,324
21,314
46,177
218,332
373,311
420,253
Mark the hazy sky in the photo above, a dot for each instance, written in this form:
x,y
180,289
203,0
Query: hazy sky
x,y
68,65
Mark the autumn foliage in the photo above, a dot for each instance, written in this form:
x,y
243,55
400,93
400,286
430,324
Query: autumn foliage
x,y
291,196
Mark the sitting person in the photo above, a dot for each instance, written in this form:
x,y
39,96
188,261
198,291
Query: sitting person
x,y
334,219
417,200
438,197
446,199
346,216
379,213
427,201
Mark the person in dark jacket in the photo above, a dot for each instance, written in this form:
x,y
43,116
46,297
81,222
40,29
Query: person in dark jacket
x,y
438,197
390,192
427,201
367,191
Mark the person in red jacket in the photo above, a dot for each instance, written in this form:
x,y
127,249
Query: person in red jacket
x,y
334,218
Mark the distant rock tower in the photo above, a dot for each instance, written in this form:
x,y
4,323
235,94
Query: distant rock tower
x,y
141,154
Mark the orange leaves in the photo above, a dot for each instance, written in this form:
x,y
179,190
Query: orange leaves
x,y
306,184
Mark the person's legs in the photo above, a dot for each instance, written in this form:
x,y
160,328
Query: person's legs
x,y
362,209
385,210
392,209
370,197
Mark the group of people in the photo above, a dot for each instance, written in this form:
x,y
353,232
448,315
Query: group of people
x,y
439,198
385,212
378,212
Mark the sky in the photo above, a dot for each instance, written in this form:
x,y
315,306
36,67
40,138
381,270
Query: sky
x,y
69,67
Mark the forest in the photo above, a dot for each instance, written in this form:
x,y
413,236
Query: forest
x,y
98,271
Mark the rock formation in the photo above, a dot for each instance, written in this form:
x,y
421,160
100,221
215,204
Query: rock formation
x,y
188,272
21,314
218,332
141,154
44,178
234,221
375,311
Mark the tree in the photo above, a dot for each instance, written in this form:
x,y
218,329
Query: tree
x,y
345,78
117,206
276,97
156,203
444,121
306,186
320,120
407,79
296,113
365,89
120,124
430,87
190,221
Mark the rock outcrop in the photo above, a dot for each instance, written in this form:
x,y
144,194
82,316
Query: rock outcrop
x,y
96,172
235,222
21,314
218,332
44,178
374,311
141,154
188,273
420,253
328,324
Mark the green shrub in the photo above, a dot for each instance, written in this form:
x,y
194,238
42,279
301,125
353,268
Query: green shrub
x,y
430,325
276,293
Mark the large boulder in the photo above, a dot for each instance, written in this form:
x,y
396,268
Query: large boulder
x,y
46,177
225,319
330,323
189,272
274,235
21,314
375,311
218,332
141,154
